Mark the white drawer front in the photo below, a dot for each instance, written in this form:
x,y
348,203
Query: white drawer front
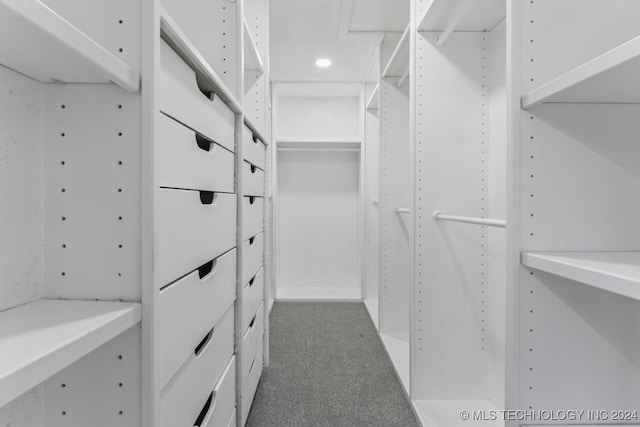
x,y
252,216
221,410
193,229
253,257
253,150
251,339
253,180
251,384
184,396
188,309
181,99
252,297
190,161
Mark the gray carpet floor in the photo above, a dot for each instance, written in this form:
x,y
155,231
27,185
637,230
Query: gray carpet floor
x,y
328,369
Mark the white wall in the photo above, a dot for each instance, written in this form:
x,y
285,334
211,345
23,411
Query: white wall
x,y
21,214
318,205
318,118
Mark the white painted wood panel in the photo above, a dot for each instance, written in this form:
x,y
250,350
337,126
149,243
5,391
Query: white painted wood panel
x,y
183,398
253,257
223,400
189,161
317,218
252,297
252,180
251,341
181,99
192,233
189,307
39,339
252,216
251,384
253,150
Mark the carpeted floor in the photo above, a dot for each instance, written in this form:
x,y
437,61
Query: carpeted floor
x,y
328,369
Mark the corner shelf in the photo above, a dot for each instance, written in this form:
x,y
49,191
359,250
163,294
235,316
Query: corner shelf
x,y
610,78
39,339
252,60
398,64
617,272
51,50
480,16
171,33
372,104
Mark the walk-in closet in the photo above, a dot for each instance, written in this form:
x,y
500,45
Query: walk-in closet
x,y
273,213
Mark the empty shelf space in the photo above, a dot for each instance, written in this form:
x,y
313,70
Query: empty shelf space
x,y
397,346
40,338
252,60
609,78
176,38
470,15
398,64
617,272
372,104
445,413
51,50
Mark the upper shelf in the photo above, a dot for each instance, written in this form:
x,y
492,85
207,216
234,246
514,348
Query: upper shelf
x,y
398,64
617,272
39,339
463,15
372,104
252,60
611,78
177,39
37,42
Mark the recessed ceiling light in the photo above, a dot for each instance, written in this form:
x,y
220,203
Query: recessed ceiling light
x,y
323,63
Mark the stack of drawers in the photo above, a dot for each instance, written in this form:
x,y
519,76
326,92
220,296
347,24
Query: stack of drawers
x,y
252,275
196,254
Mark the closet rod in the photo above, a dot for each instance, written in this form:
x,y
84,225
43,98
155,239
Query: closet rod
x,y
402,210
460,12
403,78
438,216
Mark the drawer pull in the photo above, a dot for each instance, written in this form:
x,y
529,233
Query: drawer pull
x,y
251,240
253,321
253,279
204,412
207,268
254,139
203,343
204,144
208,197
252,200
254,169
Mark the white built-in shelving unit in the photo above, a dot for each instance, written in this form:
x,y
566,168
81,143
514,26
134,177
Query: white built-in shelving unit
x,y
132,136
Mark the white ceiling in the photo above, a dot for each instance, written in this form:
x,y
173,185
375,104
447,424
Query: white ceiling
x,y
304,30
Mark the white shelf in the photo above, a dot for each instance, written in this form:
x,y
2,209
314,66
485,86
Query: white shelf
x,y
617,272
171,33
292,293
397,346
446,413
290,145
252,60
39,339
41,44
399,62
609,78
372,104
481,15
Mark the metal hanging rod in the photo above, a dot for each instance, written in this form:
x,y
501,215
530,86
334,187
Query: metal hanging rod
x,y
439,216
402,210
403,78
455,21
